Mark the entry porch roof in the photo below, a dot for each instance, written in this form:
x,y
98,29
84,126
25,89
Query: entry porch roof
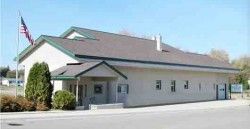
x,y
74,70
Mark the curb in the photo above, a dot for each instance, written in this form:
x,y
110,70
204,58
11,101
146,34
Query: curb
x,y
60,113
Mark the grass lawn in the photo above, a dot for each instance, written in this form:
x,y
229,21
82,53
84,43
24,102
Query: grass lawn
x,y
11,90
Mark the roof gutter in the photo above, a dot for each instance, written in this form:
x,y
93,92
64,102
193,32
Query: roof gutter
x,y
63,78
153,62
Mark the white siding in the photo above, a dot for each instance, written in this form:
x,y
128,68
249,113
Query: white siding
x,y
73,35
49,54
58,85
142,83
101,71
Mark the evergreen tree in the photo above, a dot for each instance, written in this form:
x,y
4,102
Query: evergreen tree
x,y
39,88
3,71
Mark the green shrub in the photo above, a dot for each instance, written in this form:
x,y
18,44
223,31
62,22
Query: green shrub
x,y
39,88
25,104
64,100
9,104
41,107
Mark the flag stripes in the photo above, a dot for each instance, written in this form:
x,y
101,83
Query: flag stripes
x,y
25,31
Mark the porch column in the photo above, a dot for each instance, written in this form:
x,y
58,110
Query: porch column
x,y
116,91
77,81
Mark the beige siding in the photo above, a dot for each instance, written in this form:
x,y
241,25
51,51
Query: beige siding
x,y
108,95
101,71
142,90
142,81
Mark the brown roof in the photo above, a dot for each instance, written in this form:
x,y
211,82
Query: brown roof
x,y
73,69
76,69
132,48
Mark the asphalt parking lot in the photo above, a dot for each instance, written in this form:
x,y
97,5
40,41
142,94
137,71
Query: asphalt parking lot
x,y
219,118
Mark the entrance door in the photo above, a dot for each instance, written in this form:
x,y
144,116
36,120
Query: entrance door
x,y
221,92
122,92
100,92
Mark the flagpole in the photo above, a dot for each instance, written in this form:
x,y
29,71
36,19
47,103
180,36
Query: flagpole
x,y
17,53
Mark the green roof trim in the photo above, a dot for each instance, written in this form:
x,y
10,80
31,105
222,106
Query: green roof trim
x,y
73,77
63,78
24,52
116,70
85,35
103,62
49,41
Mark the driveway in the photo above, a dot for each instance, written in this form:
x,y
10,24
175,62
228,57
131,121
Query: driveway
x,y
222,117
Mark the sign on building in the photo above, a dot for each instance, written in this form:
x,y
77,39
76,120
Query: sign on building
x,y
237,88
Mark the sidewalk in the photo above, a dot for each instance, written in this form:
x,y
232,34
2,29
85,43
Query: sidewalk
x,y
176,107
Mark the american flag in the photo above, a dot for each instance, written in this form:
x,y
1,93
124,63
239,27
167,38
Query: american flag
x,y
25,31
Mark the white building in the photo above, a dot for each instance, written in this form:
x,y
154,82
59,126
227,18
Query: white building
x,y
101,67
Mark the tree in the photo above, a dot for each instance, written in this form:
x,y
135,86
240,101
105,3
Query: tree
x,y
243,63
130,33
39,88
221,55
3,71
126,32
12,73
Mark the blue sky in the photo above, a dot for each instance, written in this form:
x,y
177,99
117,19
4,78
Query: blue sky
x,y
192,25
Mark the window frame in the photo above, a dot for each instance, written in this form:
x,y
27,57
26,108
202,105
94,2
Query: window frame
x,y
119,88
173,86
158,85
186,85
96,86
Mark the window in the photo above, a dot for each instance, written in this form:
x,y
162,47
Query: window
x,y
186,84
98,89
123,88
158,85
172,85
199,86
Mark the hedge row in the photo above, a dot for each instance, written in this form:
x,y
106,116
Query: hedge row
x,y
63,100
19,104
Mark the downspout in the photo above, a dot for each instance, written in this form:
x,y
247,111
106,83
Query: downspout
x,y
116,91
